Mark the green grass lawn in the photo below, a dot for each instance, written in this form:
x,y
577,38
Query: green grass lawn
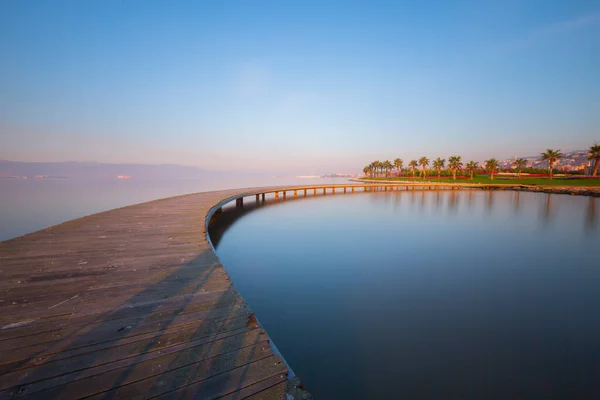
x,y
557,181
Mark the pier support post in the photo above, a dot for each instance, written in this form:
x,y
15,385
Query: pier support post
x,y
239,203
352,189
276,196
314,191
257,198
304,192
295,193
263,197
324,191
345,189
284,194
332,190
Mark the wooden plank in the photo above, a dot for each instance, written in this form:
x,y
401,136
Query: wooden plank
x,y
147,310
105,330
274,387
225,383
104,377
82,358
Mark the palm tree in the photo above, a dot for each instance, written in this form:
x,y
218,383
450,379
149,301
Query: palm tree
x,y
413,164
424,163
387,166
376,166
438,164
594,154
455,163
491,165
472,166
551,156
520,163
398,164
367,170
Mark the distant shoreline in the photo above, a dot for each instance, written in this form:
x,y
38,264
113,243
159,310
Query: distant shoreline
x,y
593,191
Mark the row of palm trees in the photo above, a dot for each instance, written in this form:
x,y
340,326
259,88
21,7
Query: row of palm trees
x,y
455,164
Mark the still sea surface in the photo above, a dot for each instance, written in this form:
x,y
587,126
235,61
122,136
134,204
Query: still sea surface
x,y
425,294
27,205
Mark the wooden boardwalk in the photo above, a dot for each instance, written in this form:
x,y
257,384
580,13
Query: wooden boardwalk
x,y
129,304
133,304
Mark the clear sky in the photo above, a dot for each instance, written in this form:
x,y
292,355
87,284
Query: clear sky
x,y
296,86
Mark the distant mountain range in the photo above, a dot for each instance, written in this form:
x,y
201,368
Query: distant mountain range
x,y
20,169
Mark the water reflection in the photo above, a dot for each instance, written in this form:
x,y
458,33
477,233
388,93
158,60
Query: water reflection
x,y
489,205
516,201
453,203
547,209
221,223
470,200
591,221
373,296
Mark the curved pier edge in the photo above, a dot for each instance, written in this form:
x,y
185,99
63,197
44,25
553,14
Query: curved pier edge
x,y
295,390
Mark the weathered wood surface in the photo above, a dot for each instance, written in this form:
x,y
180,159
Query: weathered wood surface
x,y
129,304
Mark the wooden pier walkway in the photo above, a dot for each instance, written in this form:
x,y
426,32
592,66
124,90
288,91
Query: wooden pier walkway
x,y
133,304
129,304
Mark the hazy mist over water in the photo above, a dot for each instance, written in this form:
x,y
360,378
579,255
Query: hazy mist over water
x,y
27,205
425,294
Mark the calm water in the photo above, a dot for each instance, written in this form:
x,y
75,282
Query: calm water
x,y
32,204
426,294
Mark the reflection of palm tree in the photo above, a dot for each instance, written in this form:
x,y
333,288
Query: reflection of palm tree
x,y
438,164
517,202
490,201
547,214
424,162
453,201
519,163
590,216
552,156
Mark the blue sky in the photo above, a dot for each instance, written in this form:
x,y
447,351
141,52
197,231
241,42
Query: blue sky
x,y
300,87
